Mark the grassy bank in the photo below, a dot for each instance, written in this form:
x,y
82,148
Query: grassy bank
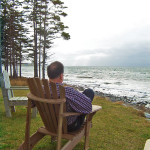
x,y
19,81
115,127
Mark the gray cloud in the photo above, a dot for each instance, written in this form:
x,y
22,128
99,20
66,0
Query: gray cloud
x,y
128,54
129,47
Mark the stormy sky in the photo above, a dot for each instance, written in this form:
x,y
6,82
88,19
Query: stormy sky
x,y
105,33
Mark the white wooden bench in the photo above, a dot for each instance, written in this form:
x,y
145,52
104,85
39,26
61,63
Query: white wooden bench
x,y
147,145
10,101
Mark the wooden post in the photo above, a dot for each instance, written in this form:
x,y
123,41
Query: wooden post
x,y
28,122
87,130
5,98
60,121
34,112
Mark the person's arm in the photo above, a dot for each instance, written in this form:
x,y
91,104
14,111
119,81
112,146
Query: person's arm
x,y
78,101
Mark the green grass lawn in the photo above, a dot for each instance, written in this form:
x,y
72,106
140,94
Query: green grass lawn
x,y
115,127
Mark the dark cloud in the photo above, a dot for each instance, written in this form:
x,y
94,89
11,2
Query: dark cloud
x,y
130,49
129,54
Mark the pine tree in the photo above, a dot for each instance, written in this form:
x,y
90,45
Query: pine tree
x,y
53,27
43,20
14,36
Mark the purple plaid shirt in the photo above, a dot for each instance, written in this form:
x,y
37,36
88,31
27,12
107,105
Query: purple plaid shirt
x,y
76,102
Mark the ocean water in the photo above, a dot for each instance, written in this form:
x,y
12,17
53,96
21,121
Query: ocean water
x,y
132,82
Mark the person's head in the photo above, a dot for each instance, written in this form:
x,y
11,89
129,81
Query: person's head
x,y
55,70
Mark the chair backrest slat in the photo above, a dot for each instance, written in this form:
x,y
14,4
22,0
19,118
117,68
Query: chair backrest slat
x,y
55,96
54,90
6,85
62,95
32,86
40,88
51,109
6,79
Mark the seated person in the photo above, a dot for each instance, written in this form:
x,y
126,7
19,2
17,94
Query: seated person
x,y
75,101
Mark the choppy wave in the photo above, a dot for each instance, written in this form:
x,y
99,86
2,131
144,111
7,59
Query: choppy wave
x,y
107,83
84,77
131,82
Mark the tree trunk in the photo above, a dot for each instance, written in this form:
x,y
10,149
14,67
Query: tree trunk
x,y
43,69
13,60
40,51
20,57
6,59
35,40
35,51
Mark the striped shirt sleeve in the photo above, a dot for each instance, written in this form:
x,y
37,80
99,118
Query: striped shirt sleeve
x,y
78,101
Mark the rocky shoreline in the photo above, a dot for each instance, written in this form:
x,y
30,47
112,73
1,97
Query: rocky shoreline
x,y
142,106
126,101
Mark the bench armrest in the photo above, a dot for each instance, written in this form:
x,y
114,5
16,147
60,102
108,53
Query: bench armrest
x,y
18,88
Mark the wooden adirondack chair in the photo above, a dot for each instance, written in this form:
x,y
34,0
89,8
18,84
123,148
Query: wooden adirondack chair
x,y
9,100
147,145
53,113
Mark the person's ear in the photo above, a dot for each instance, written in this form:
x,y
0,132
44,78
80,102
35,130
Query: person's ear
x,y
61,76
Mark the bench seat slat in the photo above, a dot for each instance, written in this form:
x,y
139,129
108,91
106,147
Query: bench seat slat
x,y
18,99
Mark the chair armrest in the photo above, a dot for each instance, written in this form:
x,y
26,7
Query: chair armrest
x,y
95,108
71,114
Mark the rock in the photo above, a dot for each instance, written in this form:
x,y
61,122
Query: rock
x,y
147,105
147,115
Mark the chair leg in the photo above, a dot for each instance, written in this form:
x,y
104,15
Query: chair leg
x,y
34,112
8,112
7,108
72,143
87,132
35,138
13,109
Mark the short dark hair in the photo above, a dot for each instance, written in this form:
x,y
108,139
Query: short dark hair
x,y
55,69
